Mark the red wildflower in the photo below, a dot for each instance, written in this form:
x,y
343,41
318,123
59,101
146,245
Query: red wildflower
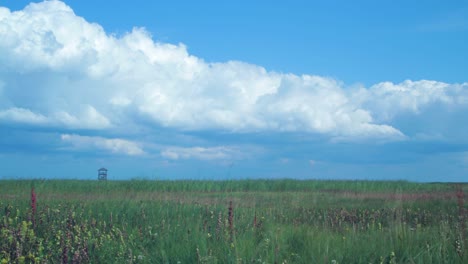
x,y
33,206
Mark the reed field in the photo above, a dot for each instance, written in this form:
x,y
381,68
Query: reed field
x,y
244,221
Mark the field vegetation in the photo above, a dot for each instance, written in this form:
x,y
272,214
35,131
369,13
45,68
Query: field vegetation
x,y
245,221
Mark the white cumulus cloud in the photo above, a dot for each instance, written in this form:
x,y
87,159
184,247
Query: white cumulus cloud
x,y
76,75
388,99
201,153
21,115
113,145
89,118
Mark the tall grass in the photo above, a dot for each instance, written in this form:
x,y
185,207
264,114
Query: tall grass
x,y
256,221
84,186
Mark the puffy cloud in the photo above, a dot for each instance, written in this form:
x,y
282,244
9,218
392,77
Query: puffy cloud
x,y
387,99
114,145
89,118
201,153
21,115
59,69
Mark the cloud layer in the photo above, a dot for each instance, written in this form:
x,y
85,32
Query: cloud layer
x,y
213,153
58,70
87,143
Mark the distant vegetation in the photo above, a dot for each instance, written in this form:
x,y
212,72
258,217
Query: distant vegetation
x,y
245,221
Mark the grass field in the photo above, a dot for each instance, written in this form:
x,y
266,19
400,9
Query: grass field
x,y
247,221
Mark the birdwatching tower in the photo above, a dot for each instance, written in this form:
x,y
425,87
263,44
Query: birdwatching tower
x,y
102,174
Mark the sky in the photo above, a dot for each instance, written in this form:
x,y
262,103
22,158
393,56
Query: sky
x,y
355,90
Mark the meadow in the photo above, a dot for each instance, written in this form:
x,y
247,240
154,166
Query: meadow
x,y
244,221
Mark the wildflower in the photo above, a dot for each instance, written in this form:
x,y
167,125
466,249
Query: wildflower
x,y
33,206
231,220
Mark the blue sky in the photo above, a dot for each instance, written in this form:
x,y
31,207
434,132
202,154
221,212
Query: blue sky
x,y
234,89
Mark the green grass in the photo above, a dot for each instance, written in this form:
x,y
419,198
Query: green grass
x,y
282,221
